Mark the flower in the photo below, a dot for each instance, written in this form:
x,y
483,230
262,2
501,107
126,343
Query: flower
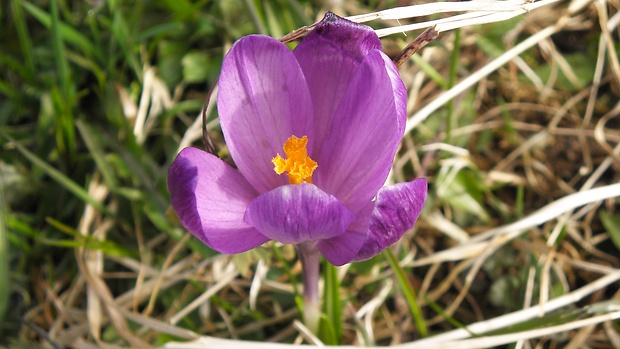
x,y
335,108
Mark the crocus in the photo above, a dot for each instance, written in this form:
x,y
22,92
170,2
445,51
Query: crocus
x,y
313,134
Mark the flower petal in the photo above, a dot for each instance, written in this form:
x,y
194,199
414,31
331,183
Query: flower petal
x,y
292,214
357,153
341,249
210,198
329,57
396,210
263,100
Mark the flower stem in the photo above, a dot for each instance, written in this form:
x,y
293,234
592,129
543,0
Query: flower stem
x,y
309,255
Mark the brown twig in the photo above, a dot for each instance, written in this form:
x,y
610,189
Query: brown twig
x,y
209,147
297,34
416,45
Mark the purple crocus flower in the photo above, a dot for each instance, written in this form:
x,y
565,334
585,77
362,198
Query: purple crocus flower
x,y
313,133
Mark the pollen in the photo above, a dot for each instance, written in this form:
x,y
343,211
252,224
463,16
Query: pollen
x,y
298,165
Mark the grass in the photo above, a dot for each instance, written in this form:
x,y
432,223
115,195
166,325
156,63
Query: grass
x,y
514,123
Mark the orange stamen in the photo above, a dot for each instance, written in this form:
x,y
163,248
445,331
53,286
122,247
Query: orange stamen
x,y
297,164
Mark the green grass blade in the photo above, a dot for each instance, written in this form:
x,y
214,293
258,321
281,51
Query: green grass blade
x,y
97,153
63,114
408,292
88,64
454,64
519,201
256,18
64,102
299,301
83,241
299,11
430,71
123,36
183,9
612,224
287,269
8,90
327,334
24,37
60,56
68,33
273,21
488,46
511,132
454,322
332,305
161,29
58,176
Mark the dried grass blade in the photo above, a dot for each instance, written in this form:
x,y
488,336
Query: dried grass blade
x,y
227,278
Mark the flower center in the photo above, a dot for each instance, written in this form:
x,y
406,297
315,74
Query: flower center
x,y
298,164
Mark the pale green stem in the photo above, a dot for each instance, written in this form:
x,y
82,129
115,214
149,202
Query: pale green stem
x,y
309,255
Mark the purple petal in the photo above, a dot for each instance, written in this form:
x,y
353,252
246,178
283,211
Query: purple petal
x,y
341,249
357,153
353,39
396,210
292,214
329,57
210,198
263,99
